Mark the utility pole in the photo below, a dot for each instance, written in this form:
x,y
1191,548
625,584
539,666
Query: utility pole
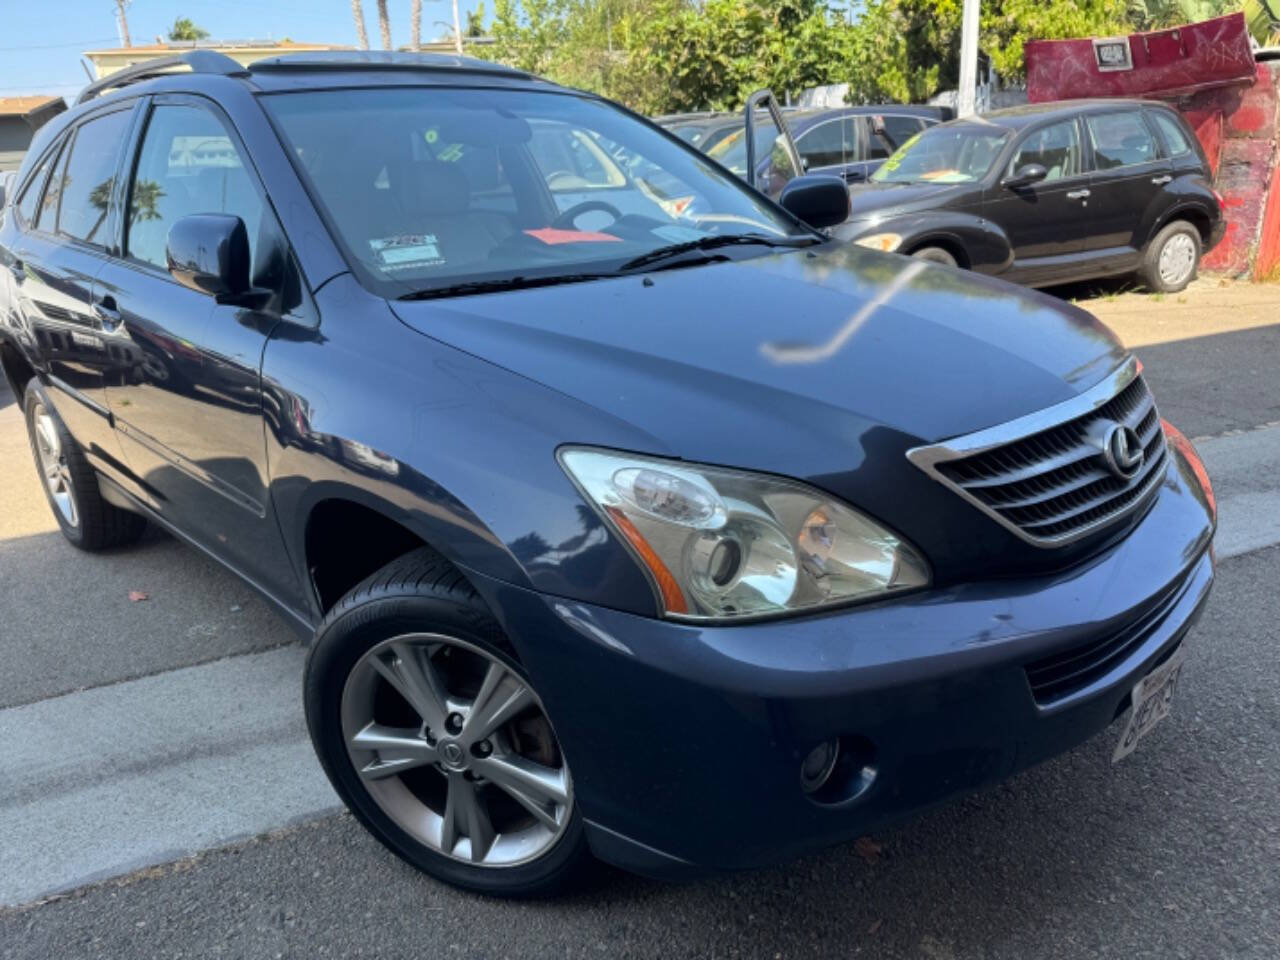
x,y
122,23
457,28
966,95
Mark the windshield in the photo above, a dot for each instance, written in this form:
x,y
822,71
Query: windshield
x,y
435,188
732,150
951,153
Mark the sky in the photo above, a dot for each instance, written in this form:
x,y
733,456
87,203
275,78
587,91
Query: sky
x,y
41,41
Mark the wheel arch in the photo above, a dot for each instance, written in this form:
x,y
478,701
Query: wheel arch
x,y
343,534
1194,213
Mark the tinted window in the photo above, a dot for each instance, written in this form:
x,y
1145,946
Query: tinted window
x,y
188,164
27,205
829,144
1175,140
90,176
896,132
1120,140
1056,148
47,212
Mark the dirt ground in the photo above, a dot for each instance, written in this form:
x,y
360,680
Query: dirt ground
x,y
1208,306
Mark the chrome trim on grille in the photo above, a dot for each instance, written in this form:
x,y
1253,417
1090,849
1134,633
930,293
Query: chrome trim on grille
x,y
1057,460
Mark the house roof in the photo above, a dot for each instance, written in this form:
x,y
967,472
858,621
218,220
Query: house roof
x,y
24,106
228,46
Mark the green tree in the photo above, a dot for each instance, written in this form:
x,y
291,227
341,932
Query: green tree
x,y
475,22
184,28
1159,14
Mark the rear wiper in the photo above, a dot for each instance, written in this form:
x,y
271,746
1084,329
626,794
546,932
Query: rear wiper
x,y
505,283
711,243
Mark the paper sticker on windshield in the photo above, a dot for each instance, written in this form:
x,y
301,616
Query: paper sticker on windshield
x,y
412,250
552,235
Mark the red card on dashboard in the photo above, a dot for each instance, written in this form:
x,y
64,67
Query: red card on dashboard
x,y
554,235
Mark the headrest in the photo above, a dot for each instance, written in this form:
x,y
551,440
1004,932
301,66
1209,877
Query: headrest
x,y
438,188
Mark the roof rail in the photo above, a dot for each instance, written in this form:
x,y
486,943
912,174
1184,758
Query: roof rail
x,y
199,61
324,60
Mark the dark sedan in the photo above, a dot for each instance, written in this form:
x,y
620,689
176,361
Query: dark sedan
x,y
1049,193
674,534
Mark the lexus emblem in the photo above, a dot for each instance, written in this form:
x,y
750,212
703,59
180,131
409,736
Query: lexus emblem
x,y
1122,451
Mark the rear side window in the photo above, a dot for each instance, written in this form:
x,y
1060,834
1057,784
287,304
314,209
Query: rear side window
x,y
828,144
47,206
188,164
1121,140
1055,147
89,177
1175,140
28,204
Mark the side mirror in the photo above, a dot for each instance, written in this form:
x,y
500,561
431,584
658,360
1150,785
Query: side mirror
x,y
819,199
209,252
1025,176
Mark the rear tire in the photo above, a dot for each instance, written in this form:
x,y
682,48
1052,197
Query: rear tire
x,y
70,483
442,781
1172,258
935,255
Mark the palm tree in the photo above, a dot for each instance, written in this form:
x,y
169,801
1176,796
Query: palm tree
x,y
415,24
384,24
357,13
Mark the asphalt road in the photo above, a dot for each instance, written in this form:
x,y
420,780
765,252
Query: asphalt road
x,y
165,734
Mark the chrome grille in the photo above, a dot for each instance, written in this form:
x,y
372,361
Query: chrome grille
x,y
1046,477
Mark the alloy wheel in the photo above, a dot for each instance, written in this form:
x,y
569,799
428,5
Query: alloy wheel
x,y
1177,259
53,464
456,748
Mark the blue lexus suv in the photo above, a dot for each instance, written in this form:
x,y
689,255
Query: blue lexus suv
x,y
627,516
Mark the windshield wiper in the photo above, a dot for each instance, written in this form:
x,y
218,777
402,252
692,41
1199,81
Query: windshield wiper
x,y
711,243
504,283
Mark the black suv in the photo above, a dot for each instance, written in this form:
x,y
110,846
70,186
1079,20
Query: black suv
x,y
626,513
1049,193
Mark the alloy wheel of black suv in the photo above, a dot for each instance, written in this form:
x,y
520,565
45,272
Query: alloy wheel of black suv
x,y
630,517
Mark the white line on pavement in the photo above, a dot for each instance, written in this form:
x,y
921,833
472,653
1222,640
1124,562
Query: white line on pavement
x,y
1245,471
97,783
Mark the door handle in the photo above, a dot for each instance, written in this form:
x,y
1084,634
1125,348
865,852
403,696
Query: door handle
x,y
1077,194
1161,181
18,271
105,310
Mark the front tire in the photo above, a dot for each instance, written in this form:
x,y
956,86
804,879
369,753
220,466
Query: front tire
x,y
1172,258
70,483
935,255
435,738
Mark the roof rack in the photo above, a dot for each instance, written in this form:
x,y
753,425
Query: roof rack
x,y
198,61
383,60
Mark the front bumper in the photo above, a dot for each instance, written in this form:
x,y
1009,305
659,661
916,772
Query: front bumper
x,y
685,742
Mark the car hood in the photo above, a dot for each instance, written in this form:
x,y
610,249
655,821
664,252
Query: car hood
x,y
891,199
787,351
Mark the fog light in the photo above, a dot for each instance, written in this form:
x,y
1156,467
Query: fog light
x,y
818,765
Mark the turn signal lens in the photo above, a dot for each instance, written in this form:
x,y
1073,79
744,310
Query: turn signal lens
x,y
886,242
720,544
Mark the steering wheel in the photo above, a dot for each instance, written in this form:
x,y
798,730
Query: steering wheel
x,y
566,220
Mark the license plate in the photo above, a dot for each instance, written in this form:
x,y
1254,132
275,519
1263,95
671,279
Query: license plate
x,y
1151,698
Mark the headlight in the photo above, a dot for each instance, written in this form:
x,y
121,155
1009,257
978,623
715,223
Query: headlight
x,y
722,543
887,242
